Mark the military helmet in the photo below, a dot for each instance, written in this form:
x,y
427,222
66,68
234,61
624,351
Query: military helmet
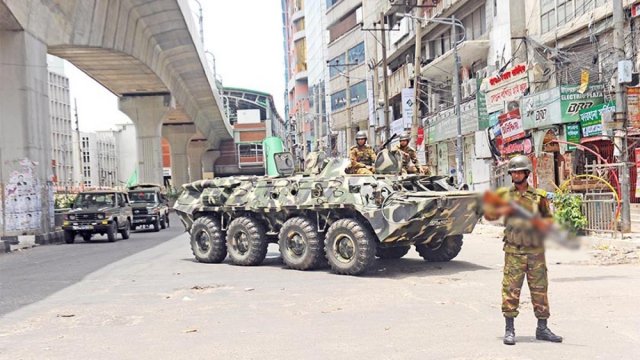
x,y
520,163
405,136
361,135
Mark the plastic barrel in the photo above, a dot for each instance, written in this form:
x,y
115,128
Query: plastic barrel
x,y
271,146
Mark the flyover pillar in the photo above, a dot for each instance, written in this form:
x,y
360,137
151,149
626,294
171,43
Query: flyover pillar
x,y
208,160
179,137
26,197
196,149
147,113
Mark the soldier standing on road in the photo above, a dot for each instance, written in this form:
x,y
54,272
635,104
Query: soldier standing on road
x,y
410,162
524,251
362,156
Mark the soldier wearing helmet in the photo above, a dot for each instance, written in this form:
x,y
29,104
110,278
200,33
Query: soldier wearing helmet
x,y
524,251
410,162
362,156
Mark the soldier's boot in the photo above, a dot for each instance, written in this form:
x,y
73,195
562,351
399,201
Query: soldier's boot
x,y
545,334
509,332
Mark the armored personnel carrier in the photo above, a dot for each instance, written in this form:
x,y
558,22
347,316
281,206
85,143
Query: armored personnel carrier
x,y
326,215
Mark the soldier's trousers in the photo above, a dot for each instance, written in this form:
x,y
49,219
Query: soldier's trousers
x,y
516,267
363,171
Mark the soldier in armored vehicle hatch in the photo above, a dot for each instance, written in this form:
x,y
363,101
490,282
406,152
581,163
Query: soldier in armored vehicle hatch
x,y
362,156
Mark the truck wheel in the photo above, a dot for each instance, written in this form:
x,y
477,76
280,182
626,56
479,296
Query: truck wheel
x,y
111,232
86,237
448,249
301,246
156,225
207,240
350,247
125,232
163,223
395,252
69,236
246,241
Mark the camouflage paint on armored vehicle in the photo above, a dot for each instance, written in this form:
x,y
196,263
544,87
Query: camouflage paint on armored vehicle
x,y
327,215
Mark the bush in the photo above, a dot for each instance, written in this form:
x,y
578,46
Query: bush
x,y
63,201
568,211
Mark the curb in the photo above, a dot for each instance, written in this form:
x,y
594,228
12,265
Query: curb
x,y
12,243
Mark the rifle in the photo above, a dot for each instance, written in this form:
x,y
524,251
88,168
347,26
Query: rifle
x,y
386,143
545,225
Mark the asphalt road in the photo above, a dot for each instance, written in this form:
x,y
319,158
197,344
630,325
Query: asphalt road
x,y
31,275
160,304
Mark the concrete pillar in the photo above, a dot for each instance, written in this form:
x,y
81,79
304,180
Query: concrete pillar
x,y
26,206
208,160
179,137
147,113
195,150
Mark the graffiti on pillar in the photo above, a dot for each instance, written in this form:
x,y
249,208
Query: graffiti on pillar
x,y
22,203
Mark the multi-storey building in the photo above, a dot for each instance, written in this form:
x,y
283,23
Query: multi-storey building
x,y
98,167
297,100
61,123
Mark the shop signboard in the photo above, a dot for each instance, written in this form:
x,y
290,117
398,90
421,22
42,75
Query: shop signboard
x,y
558,105
633,107
408,98
572,101
481,99
591,119
572,133
511,126
510,85
443,125
518,147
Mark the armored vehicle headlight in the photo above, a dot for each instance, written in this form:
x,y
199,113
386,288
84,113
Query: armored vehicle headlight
x,y
100,216
71,217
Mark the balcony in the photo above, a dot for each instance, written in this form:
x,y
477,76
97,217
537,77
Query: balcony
x,y
443,67
397,81
299,35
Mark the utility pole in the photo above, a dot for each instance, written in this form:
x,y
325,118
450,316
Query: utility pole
x,y
348,96
415,123
75,102
456,88
621,116
387,121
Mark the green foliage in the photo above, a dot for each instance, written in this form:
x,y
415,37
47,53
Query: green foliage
x,y
63,201
568,211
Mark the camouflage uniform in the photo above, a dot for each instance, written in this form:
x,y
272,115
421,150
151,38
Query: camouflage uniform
x,y
409,158
362,160
524,254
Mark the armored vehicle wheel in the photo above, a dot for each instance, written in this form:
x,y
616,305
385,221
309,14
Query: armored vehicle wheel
x,y
163,223
246,242
69,236
350,247
448,249
126,231
395,252
300,244
86,237
207,240
111,233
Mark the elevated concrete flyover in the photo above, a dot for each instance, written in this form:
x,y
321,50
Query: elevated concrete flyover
x,y
143,51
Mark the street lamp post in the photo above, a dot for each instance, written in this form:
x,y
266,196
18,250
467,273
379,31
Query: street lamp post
x,y
454,23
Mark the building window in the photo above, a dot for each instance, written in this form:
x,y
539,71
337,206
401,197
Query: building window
x,y
336,66
358,92
356,54
301,55
298,25
330,3
338,100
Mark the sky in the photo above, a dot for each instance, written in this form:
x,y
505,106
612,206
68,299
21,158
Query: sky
x,y
244,36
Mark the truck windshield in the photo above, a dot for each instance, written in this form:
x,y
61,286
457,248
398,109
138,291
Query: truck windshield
x,y
142,197
86,200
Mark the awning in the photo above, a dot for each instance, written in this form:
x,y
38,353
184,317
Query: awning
x,y
594,138
442,68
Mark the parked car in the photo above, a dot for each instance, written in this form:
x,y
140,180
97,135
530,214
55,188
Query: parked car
x,y
98,212
150,207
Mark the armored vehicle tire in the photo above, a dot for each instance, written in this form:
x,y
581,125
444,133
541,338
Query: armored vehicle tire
x,y
448,249
111,233
69,236
207,240
301,246
126,231
86,237
246,241
163,223
156,225
350,247
395,252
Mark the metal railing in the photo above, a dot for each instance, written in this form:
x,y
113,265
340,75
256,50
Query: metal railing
x,y
600,210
